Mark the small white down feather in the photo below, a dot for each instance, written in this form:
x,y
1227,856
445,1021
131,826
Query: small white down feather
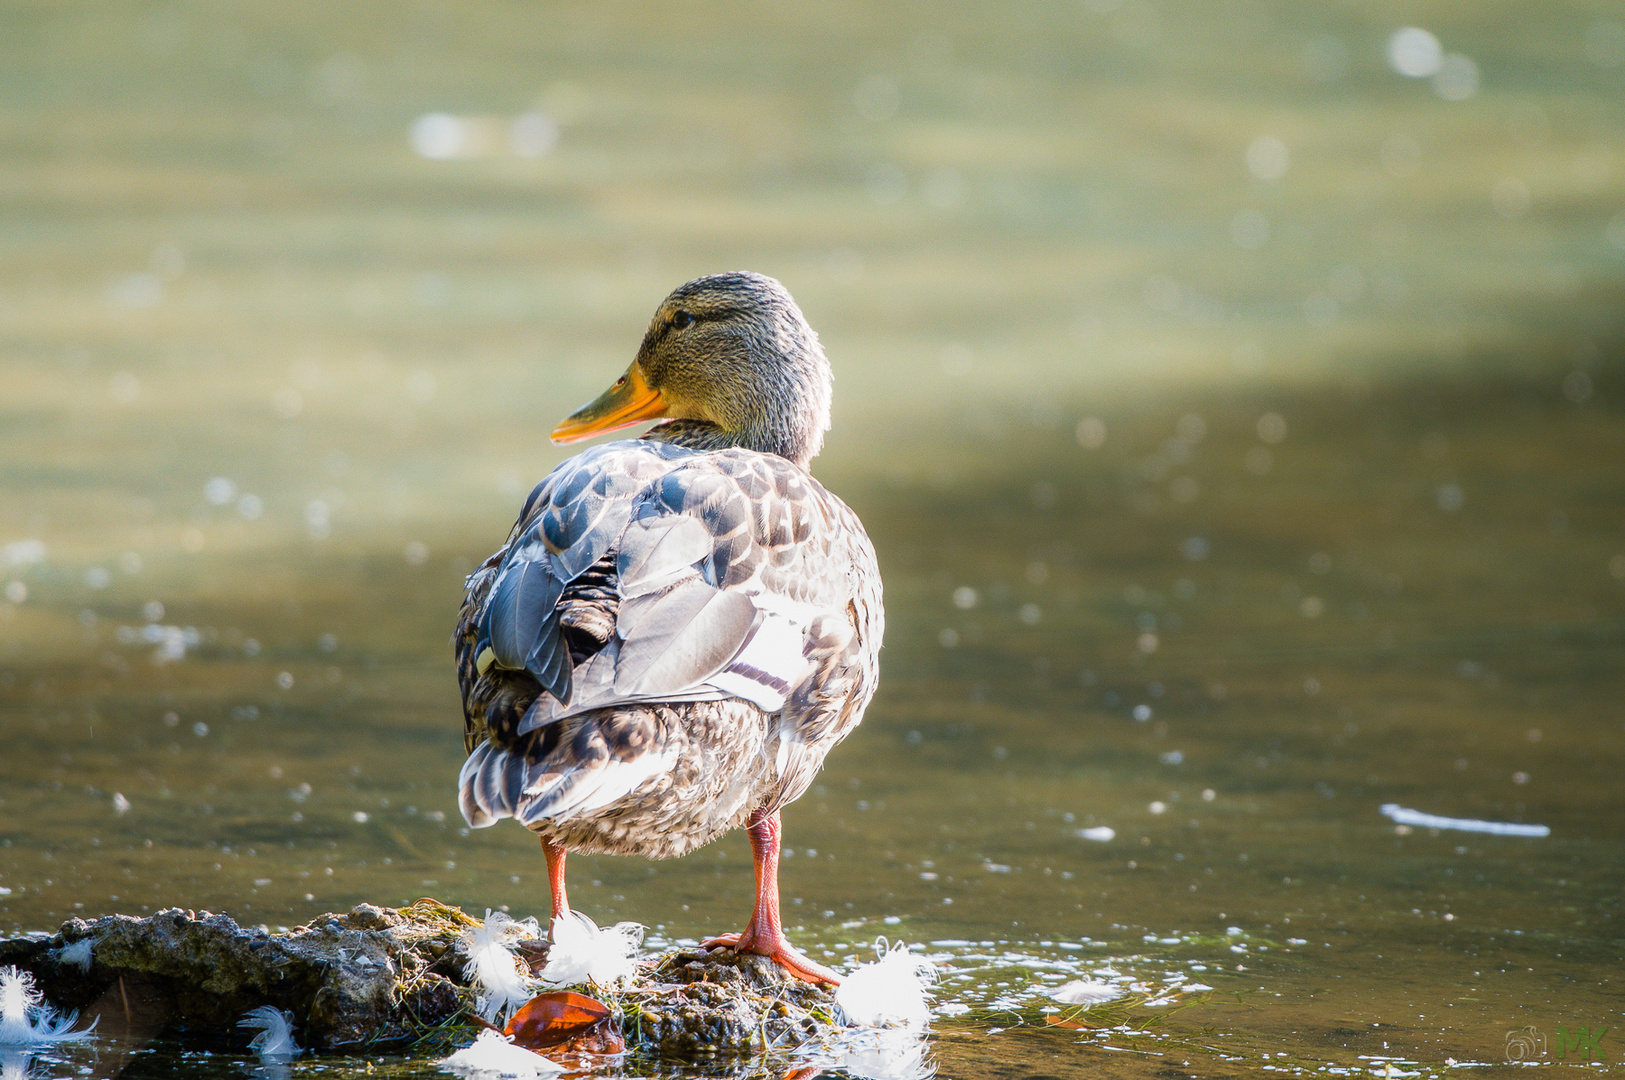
x,y
884,1005
1085,992
493,1056
78,955
888,993
502,980
581,952
25,1018
275,1038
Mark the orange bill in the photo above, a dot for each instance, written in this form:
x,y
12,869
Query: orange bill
x,y
629,401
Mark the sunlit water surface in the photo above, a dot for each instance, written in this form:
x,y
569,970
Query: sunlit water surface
x,y
1222,499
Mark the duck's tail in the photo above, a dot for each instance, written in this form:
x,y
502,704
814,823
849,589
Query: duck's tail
x,y
491,785
564,771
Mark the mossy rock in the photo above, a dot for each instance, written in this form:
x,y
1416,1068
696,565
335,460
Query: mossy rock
x,y
377,976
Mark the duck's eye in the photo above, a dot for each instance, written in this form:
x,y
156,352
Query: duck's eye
x,y
682,320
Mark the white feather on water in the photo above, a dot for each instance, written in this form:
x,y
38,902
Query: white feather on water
x,y
492,1056
1406,816
502,980
275,1038
25,1018
581,952
1085,992
888,993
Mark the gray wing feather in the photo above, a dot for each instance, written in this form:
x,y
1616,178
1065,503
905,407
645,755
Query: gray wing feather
x,y
677,639
573,518
523,624
733,571
657,551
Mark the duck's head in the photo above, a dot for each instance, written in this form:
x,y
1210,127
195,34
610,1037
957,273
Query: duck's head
x,y
728,358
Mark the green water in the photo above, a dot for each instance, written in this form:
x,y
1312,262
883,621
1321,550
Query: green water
x,y
1222,497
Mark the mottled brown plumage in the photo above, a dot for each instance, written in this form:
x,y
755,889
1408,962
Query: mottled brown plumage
x,y
680,627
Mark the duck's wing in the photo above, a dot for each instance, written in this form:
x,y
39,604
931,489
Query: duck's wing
x,y
571,520
735,574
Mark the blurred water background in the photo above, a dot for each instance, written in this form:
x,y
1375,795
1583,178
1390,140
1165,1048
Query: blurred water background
x,y
1233,392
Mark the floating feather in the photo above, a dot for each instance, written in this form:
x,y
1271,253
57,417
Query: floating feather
x,y
1405,816
1085,992
493,1055
25,1019
492,966
888,993
275,1038
581,952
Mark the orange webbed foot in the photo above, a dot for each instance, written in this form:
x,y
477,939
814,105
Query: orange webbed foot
x,y
781,952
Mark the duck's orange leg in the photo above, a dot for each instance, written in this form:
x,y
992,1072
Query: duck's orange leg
x,y
764,934
554,854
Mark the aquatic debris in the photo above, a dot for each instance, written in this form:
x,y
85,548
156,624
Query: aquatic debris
x,y
555,1017
1403,816
1100,834
494,1055
1085,992
564,1022
25,1018
275,1038
888,993
499,974
581,952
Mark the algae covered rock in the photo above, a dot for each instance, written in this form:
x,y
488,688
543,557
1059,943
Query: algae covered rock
x,y
700,1003
372,975
379,976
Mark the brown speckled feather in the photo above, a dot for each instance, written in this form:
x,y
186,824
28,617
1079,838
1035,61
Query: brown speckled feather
x,y
672,637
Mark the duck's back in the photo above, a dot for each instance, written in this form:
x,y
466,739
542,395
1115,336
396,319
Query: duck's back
x,y
644,577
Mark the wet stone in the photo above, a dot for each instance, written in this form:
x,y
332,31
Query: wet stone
x,y
695,1004
379,976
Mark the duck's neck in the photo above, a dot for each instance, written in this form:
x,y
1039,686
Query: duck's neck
x,y
703,435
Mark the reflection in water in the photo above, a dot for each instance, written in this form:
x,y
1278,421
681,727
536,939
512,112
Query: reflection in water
x,y
873,1054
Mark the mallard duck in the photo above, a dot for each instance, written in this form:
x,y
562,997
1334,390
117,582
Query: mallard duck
x,y
679,627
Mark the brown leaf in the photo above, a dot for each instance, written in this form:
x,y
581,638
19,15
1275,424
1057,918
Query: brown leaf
x,y
554,1017
1056,1021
